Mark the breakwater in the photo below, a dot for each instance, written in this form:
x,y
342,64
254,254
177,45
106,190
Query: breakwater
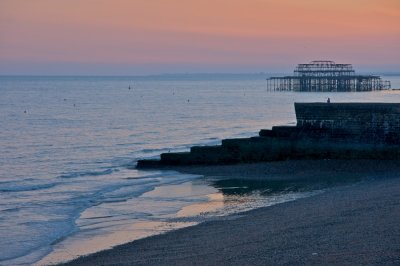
x,y
323,131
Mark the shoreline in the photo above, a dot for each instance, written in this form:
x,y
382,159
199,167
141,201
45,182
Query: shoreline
x,y
297,170
354,223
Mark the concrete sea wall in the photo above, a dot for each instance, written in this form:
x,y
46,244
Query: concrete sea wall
x,y
323,131
364,122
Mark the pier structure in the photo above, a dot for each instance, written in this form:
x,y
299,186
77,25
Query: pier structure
x,y
326,76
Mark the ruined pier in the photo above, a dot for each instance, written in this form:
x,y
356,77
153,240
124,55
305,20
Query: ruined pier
x,y
327,76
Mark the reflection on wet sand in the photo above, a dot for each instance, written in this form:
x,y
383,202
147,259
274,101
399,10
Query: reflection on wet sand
x,y
91,243
215,202
242,187
99,230
176,206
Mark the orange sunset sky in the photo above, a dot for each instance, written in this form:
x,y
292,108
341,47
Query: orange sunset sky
x,y
167,36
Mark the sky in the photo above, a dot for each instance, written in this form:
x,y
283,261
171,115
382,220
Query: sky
x,y
138,37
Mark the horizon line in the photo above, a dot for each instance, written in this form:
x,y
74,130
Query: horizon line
x,y
175,74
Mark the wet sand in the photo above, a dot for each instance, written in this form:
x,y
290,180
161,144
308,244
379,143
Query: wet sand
x,y
356,223
299,170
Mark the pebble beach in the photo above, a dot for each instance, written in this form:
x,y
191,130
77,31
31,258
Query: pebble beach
x,y
349,223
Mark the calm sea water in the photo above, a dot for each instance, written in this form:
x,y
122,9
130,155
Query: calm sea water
x,y
68,146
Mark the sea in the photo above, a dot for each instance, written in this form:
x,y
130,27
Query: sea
x,y
69,146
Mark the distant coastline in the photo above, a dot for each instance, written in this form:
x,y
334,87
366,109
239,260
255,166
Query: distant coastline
x,y
264,74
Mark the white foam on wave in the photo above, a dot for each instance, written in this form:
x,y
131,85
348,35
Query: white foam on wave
x,y
71,198
87,173
12,187
118,209
50,221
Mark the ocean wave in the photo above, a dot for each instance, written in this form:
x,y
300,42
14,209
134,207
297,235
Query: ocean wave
x,y
21,188
15,181
88,173
10,209
154,150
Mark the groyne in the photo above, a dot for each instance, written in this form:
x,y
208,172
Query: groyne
x,y
323,131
